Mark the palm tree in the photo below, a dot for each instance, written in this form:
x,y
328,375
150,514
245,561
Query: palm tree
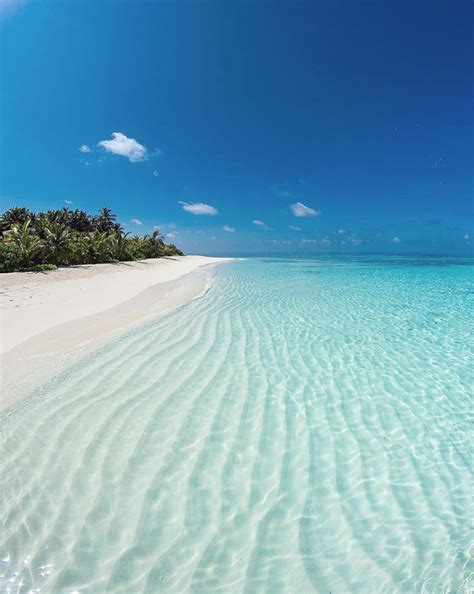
x,y
97,246
58,243
105,220
59,237
40,222
27,245
172,250
120,246
53,216
80,221
155,244
14,216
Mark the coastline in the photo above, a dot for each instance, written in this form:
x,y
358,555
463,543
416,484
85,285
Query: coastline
x,y
50,318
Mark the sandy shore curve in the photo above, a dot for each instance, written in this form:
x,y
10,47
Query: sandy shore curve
x,y
44,316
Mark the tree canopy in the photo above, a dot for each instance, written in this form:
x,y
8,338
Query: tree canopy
x,y
45,240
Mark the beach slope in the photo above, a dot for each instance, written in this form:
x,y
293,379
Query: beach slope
x,y
50,313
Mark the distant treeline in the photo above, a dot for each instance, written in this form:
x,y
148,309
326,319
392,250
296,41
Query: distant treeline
x,y
45,240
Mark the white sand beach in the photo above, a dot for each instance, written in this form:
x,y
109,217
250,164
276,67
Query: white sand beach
x,y
48,314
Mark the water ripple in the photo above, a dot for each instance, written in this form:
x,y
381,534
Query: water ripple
x,y
286,433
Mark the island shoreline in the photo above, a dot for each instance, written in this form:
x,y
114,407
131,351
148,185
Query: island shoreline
x,y
31,362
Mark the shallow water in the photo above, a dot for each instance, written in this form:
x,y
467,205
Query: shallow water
x,y
303,427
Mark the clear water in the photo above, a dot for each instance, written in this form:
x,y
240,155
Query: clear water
x,y
303,427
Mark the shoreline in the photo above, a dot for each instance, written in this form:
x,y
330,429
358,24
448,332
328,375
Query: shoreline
x,y
50,319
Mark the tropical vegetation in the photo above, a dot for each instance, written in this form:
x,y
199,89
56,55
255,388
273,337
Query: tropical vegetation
x,y
65,237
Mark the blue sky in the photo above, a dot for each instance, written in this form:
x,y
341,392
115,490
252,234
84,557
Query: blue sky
x,y
337,126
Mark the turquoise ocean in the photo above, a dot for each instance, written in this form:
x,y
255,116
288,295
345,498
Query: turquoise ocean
x,y
304,426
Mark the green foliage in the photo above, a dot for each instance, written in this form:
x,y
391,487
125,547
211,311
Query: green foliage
x,y
57,243
25,244
9,258
38,268
45,240
105,221
14,216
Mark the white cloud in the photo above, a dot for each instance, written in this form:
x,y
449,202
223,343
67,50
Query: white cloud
x,y
260,224
125,147
136,222
156,173
199,208
467,236
228,229
300,210
355,240
395,240
294,228
340,231
68,202
325,242
306,241
171,235
281,193
84,148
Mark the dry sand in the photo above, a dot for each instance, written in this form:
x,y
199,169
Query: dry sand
x,y
47,315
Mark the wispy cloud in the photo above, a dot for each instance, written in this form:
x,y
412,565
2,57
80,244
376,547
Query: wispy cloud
x,y
260,224
308,241
68,202
125,147
281,193
294,228
467,236
136,222
199,208
326,242
156,173
164,226
396,240
84,148
228,229
340,231
301,210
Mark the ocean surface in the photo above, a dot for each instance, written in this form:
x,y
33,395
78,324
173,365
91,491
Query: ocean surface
x,y
302,427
